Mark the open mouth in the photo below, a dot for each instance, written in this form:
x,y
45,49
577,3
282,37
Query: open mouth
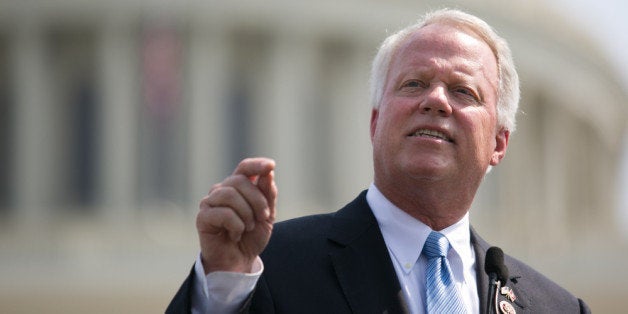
x,y
432,134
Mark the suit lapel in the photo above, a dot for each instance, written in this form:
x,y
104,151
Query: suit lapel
x,y
480,247
362,263
365,272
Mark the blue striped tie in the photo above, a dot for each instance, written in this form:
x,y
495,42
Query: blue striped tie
x,y
441,292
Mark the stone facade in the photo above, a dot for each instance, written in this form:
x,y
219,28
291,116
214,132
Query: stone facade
x,y
117,116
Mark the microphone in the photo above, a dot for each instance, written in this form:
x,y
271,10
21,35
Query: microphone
x,y
497,273
494,264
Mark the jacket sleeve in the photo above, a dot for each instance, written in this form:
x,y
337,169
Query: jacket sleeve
x,y
181,303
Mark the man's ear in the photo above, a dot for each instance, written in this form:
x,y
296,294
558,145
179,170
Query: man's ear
x,y
374,115
501,144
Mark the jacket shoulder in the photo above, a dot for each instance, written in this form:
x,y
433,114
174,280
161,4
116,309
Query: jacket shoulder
x,y
540,293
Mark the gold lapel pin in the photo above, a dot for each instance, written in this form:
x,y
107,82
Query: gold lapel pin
x,y
507,308
509,293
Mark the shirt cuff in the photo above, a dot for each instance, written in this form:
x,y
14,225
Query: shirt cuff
x,y
222,291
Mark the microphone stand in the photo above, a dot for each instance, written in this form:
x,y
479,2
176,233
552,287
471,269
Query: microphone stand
x,y
493,292
496,271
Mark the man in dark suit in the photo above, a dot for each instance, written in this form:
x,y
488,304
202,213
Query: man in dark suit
x,y
444,95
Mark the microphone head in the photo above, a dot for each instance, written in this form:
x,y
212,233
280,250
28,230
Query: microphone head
x,y
494,264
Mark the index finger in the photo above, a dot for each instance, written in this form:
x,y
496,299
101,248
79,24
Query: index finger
x,y
254,167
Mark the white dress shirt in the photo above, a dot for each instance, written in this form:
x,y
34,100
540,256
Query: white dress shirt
x,y
224,292
405,237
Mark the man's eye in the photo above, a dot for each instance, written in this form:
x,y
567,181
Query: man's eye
x,y
413,84
465,92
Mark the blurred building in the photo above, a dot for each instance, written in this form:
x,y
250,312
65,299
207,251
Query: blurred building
x,y
117,116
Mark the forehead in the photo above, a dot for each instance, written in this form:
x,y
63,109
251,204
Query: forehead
x,y
437,42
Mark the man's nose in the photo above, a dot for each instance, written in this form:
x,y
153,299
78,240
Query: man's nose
x,y
436,102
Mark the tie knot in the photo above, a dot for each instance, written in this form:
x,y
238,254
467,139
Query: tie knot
x,y
436,245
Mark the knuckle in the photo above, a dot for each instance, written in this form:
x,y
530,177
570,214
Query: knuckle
x,y
244,162
204,219
259,203
214,187
222,195
223,191
236,180
235,224
205,199
204,203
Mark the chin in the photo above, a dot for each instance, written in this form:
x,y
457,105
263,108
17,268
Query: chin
x,y
429,172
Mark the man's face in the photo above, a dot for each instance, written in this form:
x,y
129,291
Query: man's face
x,y
437,119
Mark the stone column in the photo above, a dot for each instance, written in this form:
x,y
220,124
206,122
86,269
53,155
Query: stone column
x,y
555,143
208,142
120,89
351,162
283,128
34,141
622,195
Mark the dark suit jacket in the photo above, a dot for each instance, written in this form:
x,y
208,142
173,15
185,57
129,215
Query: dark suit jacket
x,y
339,263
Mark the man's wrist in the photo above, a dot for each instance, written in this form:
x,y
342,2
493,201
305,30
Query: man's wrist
x,y
234,266
223,291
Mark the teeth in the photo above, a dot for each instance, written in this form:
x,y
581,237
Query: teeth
x,y
431,133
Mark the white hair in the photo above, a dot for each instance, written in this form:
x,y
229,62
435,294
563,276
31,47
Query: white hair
x,y
508,90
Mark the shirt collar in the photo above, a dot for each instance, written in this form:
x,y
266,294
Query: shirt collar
x,y
405,235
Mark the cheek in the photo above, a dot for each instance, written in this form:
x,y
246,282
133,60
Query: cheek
x,y
480,126
389,124
399,108
479,119
386,118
